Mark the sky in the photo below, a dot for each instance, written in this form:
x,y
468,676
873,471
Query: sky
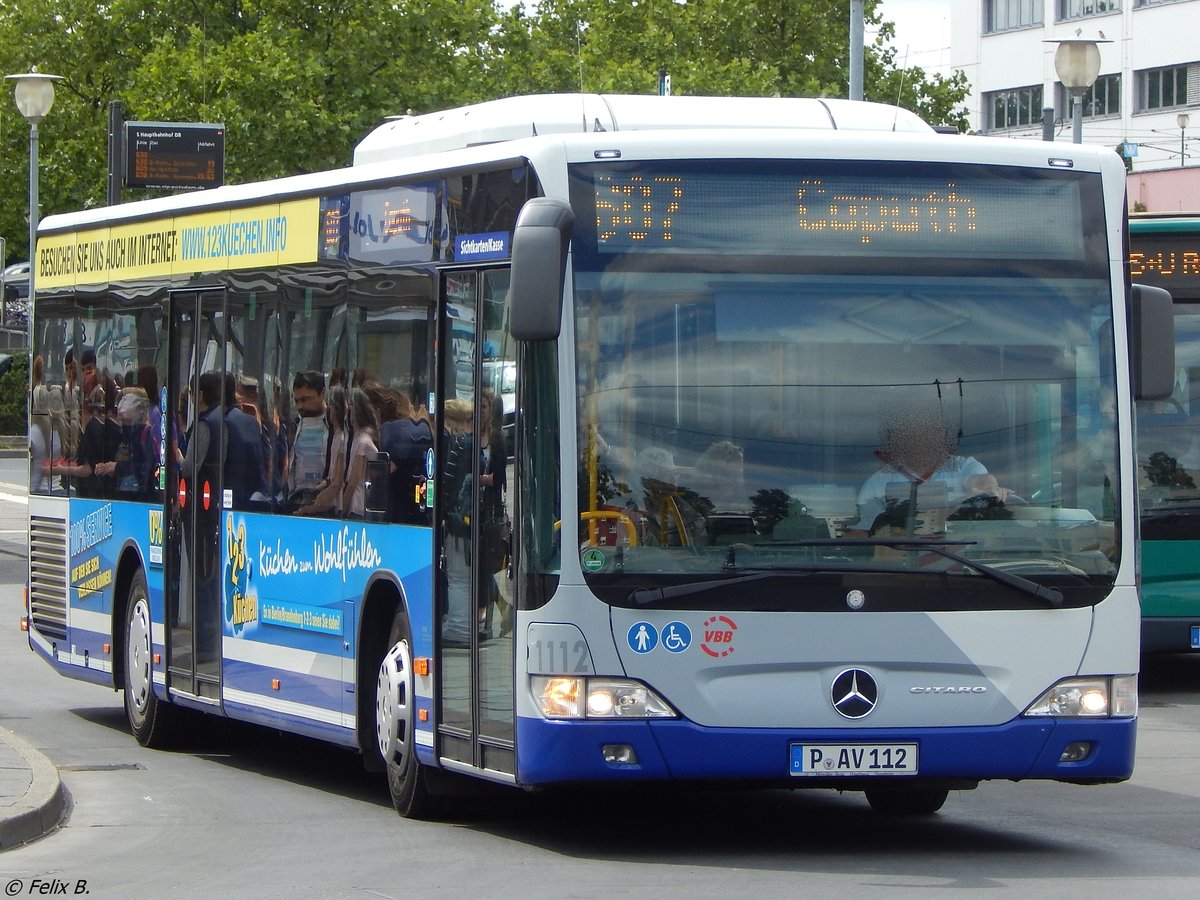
x,y
922,32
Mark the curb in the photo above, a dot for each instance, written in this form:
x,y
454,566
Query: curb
x,y
42,808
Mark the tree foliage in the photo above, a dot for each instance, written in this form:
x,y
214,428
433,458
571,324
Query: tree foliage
x,y
297,85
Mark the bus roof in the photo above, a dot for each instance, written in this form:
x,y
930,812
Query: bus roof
x,y
513,118
1158,223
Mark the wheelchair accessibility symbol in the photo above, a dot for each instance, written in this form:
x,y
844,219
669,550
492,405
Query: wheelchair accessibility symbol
x,y
676,637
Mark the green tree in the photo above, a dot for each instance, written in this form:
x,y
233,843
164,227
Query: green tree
x,y
721,47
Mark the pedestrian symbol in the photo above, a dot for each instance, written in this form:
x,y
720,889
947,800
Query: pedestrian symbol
x,y
642,637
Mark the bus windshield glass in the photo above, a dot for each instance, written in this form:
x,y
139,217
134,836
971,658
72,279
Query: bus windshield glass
x,y
1169,443
878,355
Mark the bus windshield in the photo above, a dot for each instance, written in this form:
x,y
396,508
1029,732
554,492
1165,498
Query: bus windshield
x,y
1169,444
876,360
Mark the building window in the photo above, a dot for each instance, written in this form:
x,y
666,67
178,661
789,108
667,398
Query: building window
x,y
1018,108
1102,99
1001,15
1078,9
1162,88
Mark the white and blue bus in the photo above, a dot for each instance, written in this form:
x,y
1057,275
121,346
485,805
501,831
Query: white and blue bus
x,y
708,556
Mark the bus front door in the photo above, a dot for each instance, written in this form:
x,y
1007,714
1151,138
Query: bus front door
x,y
477,724
193,500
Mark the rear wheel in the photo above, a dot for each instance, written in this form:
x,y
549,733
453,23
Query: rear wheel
x,y
395,721
907,802
149,720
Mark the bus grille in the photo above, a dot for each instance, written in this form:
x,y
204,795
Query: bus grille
x,y
48,587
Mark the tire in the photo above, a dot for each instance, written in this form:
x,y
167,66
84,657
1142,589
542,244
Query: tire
x,y
150,720
907,802
395,725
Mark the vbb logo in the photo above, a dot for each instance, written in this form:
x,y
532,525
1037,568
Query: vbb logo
x,y
718,636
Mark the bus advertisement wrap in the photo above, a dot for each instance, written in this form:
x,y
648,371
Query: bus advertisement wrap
x,y
271,235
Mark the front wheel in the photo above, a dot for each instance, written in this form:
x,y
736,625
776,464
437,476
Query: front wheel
x,y
907,802
395,722
149,719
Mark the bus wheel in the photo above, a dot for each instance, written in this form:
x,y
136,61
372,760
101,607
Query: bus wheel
x,y
903,802
149,720
395,721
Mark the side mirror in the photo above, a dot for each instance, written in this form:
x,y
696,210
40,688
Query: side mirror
x,y
1152,342
539,263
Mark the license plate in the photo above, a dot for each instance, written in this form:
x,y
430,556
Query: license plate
x,y
853,759
1196,637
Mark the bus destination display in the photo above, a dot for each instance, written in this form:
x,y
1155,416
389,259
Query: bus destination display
x,y
1170,261
838,212
174,155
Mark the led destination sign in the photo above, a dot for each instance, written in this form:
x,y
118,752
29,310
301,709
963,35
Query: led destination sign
x,y
1171,261
852,209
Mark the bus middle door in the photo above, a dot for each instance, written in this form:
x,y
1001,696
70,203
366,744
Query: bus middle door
x,y
193,497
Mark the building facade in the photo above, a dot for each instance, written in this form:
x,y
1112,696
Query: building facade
x,y
1145,102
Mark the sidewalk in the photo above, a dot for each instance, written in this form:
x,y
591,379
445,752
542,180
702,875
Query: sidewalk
x,y
32,798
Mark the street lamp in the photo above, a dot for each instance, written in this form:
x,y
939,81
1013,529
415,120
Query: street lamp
x,y
34,95
1077,63
1182,121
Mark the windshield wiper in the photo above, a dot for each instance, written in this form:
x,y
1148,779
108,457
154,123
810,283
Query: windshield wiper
x,y
1053,596
647,596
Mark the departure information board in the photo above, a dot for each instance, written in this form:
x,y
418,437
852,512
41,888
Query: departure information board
x,y
174,155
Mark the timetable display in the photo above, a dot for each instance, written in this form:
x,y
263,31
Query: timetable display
x,y
878,210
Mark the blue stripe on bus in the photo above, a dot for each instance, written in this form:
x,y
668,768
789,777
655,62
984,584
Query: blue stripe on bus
x,y
324,731
1023,748
294,687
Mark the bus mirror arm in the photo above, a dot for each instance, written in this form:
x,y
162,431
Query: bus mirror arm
x,y
541,240
1152,339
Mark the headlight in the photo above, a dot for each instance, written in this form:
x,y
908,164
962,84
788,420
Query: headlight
x,y
1096,697
597,698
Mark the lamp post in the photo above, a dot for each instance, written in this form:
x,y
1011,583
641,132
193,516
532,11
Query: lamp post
x,y
34,95
1182,121
1077,63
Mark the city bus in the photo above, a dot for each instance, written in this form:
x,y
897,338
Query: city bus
x,y
723,318
1164,250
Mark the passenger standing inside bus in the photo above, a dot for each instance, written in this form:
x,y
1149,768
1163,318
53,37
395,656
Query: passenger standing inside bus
x,y
306,464
71,406
329,499
45,440
105,469
245,468
493,513
200,467
461,613
406,440
364,423
91,447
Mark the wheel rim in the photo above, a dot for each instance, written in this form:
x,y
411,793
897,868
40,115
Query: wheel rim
x,y
393,707
137,662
